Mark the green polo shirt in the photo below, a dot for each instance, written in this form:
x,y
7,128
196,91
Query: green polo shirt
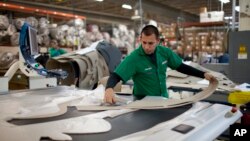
x,y
56,52
149,78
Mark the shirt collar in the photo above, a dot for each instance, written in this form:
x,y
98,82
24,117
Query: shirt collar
x,y
141,51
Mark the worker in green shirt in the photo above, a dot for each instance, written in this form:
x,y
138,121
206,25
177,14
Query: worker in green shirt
x,y
55,50
147,67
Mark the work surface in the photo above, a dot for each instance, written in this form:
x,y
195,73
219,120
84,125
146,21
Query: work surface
x,y
201,115
121,125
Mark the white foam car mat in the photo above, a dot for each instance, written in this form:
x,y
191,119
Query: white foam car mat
x,y
175,78
58,130
38,103
54,101
50,102
207,120
157,102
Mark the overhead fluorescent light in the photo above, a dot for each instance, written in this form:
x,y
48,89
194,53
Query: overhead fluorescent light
x,y
99,0
126,6
237,8
225,1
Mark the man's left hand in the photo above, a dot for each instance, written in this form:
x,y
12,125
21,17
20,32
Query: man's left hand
x,y
209,76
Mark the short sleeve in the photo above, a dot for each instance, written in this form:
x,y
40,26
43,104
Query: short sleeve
x,y
126,69
174,61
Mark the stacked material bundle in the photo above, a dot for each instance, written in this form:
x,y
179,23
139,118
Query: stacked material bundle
x,y
7,59
14,39
32,21
178,79
87,66
4,22
19,23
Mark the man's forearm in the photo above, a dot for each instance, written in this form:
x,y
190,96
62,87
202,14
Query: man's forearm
x,y
186,69
113,80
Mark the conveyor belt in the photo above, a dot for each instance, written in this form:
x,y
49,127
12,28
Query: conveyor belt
x,y
121,125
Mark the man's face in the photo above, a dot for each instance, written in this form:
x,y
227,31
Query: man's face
x,y
149,43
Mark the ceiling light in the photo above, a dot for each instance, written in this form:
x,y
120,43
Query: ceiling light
x,y
126,6
99,0
237,8
225,1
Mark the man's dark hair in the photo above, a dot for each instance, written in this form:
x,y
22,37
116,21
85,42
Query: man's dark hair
x,y
149,30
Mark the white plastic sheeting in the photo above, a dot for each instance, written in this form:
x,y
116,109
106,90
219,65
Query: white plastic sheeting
x,y
56,130
44,103
208,120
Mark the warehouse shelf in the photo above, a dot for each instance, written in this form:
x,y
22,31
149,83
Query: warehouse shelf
x,y
206,24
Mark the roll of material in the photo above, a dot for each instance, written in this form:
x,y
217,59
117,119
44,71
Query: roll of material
x,y
70,41
106,36
3,33
43,31
14,39
45,40
84,70
82,33
32,21
63,27
98,36
19,23
4,22
111,55
11,30
63,42
66,65
43,23
77,23
7,59
39,39
56,33
71,31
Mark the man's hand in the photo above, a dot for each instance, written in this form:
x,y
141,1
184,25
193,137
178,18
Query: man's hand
x,y
209,76
109,96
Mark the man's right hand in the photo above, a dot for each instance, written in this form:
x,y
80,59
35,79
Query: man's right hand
x,y
109,96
